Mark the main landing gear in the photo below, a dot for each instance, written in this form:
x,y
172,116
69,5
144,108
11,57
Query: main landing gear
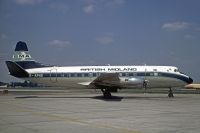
x,y
170,94
106,93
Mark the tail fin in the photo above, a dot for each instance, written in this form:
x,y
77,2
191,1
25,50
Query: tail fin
x,y
23,58
21,52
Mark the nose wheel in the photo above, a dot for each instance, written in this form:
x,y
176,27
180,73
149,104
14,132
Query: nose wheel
x,y
170,94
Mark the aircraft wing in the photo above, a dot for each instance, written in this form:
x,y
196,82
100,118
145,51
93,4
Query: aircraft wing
x,y
85,83
104,80
107,80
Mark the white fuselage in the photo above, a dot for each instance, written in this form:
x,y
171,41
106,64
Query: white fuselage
x,y
156,76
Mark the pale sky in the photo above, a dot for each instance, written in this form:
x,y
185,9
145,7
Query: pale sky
x,y
100,32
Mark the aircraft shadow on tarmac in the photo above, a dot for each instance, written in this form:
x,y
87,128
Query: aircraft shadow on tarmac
x,y
113,98
119,98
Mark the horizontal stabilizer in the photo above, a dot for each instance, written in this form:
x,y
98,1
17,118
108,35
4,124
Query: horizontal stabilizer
x,y
16,70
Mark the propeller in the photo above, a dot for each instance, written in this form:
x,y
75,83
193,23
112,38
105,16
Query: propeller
x,y
145,81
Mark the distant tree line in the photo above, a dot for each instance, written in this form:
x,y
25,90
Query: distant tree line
x,y
21,84
3,84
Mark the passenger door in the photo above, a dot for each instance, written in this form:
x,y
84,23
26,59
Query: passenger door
x,y
53,75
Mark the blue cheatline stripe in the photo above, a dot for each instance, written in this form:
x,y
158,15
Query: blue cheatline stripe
x,y
31,64
180,77
139,74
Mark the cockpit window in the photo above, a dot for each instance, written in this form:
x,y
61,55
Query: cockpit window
x,y
175,70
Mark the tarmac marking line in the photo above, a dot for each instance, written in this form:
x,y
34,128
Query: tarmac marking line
x,y
68,119
79,121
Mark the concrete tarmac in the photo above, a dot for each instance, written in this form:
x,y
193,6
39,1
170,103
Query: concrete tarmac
x,y
89,113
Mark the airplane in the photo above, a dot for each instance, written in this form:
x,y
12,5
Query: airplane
x,y
107,78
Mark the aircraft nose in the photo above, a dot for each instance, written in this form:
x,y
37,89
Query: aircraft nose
x,y
190,80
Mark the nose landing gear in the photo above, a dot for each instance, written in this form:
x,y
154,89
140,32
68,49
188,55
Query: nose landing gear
x,y
170,94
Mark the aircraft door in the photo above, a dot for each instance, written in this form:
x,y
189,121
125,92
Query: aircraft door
x,y
90,75
53,75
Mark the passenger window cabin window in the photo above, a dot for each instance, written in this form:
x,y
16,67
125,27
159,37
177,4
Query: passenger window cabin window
x,y
59,74
141,74
94,74
155,74
98,74
46,75
79,75
120,74
53,75
123,74
130,74
151,74
66,75
86,75
32,75
135,74
147,74
72,75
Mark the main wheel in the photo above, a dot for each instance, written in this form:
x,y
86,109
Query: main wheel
x,y
106,93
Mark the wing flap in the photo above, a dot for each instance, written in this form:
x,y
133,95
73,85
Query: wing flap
x,y
107,80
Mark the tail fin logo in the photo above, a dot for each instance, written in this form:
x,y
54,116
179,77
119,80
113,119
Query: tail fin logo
x,y
23,56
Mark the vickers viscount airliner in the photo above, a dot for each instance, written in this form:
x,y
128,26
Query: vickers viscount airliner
x,y
107,78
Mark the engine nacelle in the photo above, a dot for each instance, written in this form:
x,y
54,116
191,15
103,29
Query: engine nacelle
x,y
134,82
